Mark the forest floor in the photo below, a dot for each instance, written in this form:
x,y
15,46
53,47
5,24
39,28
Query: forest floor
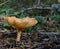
x,y
30,40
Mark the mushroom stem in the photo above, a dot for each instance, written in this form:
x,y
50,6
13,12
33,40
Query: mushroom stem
x,y
19,35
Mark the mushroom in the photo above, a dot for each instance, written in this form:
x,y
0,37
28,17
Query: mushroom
x,y
20,24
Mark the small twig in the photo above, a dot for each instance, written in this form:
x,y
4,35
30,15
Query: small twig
x,y
39,8
3,3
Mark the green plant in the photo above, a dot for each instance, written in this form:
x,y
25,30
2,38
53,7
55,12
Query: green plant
x,y
5,24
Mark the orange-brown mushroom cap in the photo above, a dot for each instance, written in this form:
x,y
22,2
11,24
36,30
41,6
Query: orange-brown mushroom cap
x,y
21,23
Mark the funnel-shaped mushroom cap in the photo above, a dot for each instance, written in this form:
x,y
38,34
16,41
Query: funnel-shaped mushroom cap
x,y
21,23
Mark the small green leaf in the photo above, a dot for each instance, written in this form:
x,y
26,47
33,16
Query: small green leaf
x,y
4,24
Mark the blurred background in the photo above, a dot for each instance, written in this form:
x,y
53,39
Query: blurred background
x,y
47,13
